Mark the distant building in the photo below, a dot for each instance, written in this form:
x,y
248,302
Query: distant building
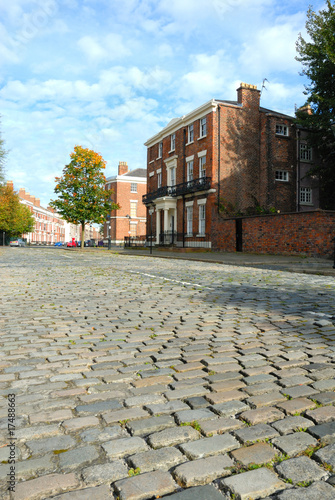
x,y
49,226
127,189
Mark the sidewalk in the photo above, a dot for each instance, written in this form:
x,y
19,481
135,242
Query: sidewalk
x,y
296,264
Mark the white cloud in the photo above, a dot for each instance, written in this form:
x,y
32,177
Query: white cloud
x,y
272,49
110,48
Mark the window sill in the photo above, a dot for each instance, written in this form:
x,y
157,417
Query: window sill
x,y
171,151
202,137
281,180
306,204
189,235
188,143
200,235
282,136
158,158
152,161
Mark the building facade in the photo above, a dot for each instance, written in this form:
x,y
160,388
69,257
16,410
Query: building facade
x,y
127,190
224,155
49,226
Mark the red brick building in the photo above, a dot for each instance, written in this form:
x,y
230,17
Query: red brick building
x,y
235,155
128,189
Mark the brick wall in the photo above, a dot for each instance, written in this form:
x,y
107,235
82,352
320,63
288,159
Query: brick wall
x,y
309,233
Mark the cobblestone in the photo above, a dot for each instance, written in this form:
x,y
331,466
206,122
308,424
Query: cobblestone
x,y
254,484
301,469
202,471
106,376
145,486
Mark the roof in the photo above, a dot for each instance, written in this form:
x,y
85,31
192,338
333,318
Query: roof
x,y
138,172
205,108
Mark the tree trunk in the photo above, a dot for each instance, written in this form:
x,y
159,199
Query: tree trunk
x,y
82,235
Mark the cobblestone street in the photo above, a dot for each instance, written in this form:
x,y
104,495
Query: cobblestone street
x,y
125,377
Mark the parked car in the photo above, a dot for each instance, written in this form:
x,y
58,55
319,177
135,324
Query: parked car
x,y
17,242
58,244
72,243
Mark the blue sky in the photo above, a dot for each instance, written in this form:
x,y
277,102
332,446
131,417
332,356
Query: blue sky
x,y
109,74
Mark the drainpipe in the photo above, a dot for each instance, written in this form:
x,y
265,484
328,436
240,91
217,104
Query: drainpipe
x,y
298,169
219,155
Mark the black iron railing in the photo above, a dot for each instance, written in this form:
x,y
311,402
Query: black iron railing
x,y
192,186
172,238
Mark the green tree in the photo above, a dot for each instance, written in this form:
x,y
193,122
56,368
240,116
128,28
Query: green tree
x,y
81,190
15,218
317,55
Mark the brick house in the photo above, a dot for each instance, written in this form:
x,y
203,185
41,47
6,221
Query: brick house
x,y
128,189
233,154
49,226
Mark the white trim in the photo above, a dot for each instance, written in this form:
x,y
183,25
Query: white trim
x,y
158,171
133,222
188,143
120,178
202,201
185,120
202,137
189,203
171,162
202,153
133,201
189,158
151,174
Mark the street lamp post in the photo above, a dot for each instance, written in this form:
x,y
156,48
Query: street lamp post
x,y
129,232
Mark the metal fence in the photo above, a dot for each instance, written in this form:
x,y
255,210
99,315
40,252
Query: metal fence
x,y
135,241
169,239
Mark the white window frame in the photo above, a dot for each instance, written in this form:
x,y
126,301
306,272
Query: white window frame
x,y
203,127
133,187
190,171
172,175
133,208
305,196
305,152
282,129
190,132
160,149
173,142
159,179
189,221
202,166
282,175
202,219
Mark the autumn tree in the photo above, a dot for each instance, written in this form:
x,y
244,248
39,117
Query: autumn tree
x,y
82,198
317,55
15,218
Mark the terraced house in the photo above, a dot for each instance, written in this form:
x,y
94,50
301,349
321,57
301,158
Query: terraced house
x,y
233,155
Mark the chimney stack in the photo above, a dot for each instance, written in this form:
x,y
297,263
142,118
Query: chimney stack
x,y
123,167
248,95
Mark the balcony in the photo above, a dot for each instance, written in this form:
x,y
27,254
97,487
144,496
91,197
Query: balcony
x,y
200,184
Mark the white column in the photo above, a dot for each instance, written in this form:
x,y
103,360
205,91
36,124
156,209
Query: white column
x,y
166,219
158,225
